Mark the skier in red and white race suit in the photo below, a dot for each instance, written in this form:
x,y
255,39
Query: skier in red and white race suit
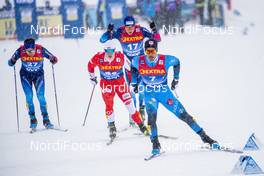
x,y
111,64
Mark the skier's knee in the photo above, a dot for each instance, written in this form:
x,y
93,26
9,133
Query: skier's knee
x,y
187,118
152,116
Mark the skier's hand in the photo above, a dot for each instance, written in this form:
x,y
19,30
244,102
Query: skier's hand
x,y
54,60
93,80
110,27
11,62
174,83
152,26
134,87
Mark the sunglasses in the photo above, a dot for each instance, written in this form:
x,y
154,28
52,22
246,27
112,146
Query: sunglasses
x,y
110,50
150,51
30,50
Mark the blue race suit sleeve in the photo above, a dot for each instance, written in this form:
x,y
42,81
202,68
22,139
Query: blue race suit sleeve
x,y
107,35
47,54
14,57
175,62
146,32
134,70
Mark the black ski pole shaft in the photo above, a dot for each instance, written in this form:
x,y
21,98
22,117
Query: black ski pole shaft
x,y
88,106
55,93
16,99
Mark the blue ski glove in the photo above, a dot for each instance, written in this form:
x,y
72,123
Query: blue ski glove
x,y
11,62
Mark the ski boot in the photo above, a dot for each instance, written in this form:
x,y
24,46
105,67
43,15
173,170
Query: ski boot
x,y
142,112
143,129
155,146
33,123
112,130
47,124
206,139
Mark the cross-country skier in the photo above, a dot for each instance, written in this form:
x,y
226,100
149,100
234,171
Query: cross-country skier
x,y
32,73
131,37
110,64
153,69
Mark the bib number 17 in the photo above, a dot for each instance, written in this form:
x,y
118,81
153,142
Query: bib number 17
x,y
132,46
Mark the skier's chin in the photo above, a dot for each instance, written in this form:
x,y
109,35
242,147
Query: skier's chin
x,y
109,56
151,57
129,33
31,54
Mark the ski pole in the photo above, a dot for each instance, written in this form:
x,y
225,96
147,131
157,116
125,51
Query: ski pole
x,y
16,98
88,106
55,92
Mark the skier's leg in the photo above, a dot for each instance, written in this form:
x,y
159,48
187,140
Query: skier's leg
x,y
174,105
125,95
108,97
39,84
151,108
27,88
141,103
128,80
170,102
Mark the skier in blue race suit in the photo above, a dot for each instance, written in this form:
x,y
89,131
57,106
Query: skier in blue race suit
x,y
32,73
153,69
131,37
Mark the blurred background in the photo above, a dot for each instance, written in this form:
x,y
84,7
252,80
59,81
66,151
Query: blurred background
x,y
17,16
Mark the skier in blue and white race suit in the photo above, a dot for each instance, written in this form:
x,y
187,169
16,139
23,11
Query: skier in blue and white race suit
x,y
153,69
32,73
131,37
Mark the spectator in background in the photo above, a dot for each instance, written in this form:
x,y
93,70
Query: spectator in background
x,y
100,13
210,8
140,6
47,5
170,13
200,9
178,17
149,9
87,18
7,6
229,7
158,14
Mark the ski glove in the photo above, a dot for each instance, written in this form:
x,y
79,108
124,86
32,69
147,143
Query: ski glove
x,y
93,80
11,62
110,27
174,83
134,87
152,26
54,60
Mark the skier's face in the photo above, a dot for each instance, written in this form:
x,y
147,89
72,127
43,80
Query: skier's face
x,y
31,51
109,53
129,29
151,53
